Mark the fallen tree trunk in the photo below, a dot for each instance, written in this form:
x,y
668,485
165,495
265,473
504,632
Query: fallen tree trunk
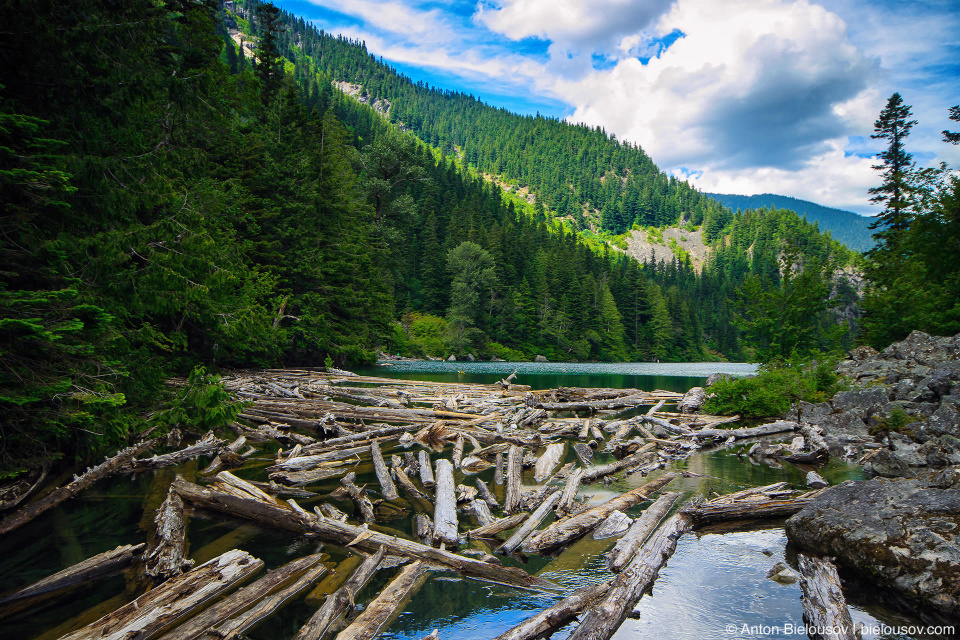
x,y
341,601
205,446
29,512
627,546
570,529
511,502
342,533
598,405
748,510
359,497
445,509
173,601
824,606
426,470
245,597
605,617
779,426
531,523
570,489
389,604
387,489
548,461
499,526
166,556
549,620
486,495
640,456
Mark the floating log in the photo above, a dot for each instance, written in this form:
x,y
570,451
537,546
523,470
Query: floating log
x,y
173,601
426,471
481,512
570,489
359,497
824,606
604,617
531,523
663,424
232,458
599,405
342,533
547,462
204,623
584,453
615,524
342,601
548,621
497,527
458,451
55,497
411,489
423,528
498,474
445,510
779,426
389,604
101,565
205,446
486,495
306,463
627,546
748,510
642,455
384,433
514,490
565,531
166,556
387,489
253,491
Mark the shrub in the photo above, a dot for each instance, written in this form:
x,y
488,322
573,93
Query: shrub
x,y
204,404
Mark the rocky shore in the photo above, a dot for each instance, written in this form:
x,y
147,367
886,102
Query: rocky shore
x,y
902,422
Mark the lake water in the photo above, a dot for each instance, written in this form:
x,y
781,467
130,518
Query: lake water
x,y
716,578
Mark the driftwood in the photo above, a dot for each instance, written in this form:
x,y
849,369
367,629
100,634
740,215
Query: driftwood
x,y
481,512
342,533
445,509
458,451
565,531
824,606
229,455
173,601
549,620
426,470
570,489
486,495
627,546
205,446
52,499
747,509
584,453
423,528
635,400
166,556
605,617
241,600
511,501
531,523
334,579
547,462
13,494
101,565
359,497
642,455
342,601
780,426
379,613
387,488
615,524
494,528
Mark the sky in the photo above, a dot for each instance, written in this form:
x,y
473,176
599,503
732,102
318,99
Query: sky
x,y
735,96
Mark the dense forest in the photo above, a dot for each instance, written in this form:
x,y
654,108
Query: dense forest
x,y
170,202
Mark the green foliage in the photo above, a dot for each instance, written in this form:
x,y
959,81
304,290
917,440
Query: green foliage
x,y
425,334
897,421
203,405
775,388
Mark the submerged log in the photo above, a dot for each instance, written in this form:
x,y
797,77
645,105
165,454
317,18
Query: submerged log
x,y
387,489
605,617
245,597
627,546
445,509
101,565
531,523
112,465
548,461
570,529
173,601
549,620
511,502
166,556
389,604
342,601
824,606
342,533
497,527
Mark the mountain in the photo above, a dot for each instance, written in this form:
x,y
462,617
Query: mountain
x,y
847,227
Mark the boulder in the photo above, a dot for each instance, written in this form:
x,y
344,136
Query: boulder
x,y
452,359
714,378
944,421
888,464
540,358
900,534
692,400
471,357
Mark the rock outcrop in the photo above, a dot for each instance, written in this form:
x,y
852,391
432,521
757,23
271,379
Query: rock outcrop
x,y
897,533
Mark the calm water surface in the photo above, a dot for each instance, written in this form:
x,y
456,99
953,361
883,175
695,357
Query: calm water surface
x,y
716,578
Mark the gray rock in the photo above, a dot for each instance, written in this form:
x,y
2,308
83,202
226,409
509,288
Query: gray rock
x,y
782,574
888,464
939,452
692,400
865,352
860,400
471,357
900,534
540,358
714,378
452,359
944,421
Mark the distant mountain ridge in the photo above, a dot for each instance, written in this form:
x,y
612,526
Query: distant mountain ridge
x,y
847,227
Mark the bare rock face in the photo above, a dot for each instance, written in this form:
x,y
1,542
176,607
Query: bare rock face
x,y
692,400
898,533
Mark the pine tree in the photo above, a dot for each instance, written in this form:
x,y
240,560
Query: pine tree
x,y
895,193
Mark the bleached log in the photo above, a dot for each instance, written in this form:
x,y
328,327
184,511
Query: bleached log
x,y
570,489
627,546
481,512
824,606
387,489
748,510
643,454
359,497
458,451
166,556
547,462
779,426
615,524
486,495
549,620
389,604
205,446
494,528
173,601
445,510
531,523
426,470
570,529
512,499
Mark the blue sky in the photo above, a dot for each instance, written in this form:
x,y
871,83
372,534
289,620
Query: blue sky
x,y
738,96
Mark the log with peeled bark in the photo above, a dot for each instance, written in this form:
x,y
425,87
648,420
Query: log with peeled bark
x,y
627,546
605,616
387,489
426,470
779,426
416,496
359,497
485,494
458,451
166,556
342,533
824,606
815,447
389,603
568,530
445,509
641,455
173,601
547,462
205,446
570,489
110,466
356,439
423,528
549,620
498,474
341,601
498,526
241,622
232,449
481,512
635,400
243,598
101,565
511,502
531,523
668,426
306,463
719,511
584,453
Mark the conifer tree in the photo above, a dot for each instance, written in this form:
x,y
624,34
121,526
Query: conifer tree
x,y
895,193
